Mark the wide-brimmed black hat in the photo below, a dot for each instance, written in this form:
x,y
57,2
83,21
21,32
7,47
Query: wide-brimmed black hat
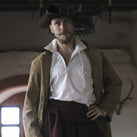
x,y
53,12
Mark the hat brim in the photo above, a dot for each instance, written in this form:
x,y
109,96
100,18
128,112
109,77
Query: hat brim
x,y
46,18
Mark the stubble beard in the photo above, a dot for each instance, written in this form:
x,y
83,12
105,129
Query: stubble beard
x,y
66,40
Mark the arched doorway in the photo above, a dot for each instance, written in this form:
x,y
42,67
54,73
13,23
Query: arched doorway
x,y
12,94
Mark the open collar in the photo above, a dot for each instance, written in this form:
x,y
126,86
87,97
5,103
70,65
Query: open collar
x,y
79,46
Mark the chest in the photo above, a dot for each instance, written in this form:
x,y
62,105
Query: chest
x,y
77,65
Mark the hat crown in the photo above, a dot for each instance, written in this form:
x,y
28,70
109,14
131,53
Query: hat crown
x,y
53,9
53,12
60,10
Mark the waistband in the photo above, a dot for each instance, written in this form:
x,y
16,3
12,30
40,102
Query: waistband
x,y
69,110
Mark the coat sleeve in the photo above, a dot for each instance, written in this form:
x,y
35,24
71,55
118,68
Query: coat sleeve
x,y
30,110
112,88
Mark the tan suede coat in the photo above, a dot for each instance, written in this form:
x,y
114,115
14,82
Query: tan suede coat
x,y
107,89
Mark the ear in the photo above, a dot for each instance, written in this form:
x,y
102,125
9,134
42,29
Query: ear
x,y
51,29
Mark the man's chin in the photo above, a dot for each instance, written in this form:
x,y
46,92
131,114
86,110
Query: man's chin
x,y
64,39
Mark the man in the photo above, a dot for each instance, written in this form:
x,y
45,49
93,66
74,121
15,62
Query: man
x,y
72,91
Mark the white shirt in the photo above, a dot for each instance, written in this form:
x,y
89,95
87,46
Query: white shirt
x,y
73,82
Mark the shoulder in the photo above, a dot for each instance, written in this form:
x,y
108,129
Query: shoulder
x,y
94,52
44,55
90,49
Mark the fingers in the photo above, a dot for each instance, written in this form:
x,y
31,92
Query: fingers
x,y
94,112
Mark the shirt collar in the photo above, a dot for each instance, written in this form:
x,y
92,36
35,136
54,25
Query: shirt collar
x,y
79,46
52,46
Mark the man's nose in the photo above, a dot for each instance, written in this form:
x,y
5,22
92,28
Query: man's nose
x,y
62,25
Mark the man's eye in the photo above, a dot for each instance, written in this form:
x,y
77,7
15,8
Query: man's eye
x,y
57,23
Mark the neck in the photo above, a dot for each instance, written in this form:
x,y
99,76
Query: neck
x,y
69,47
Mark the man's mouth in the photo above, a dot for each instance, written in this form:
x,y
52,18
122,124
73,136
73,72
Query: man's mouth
x,y
64,33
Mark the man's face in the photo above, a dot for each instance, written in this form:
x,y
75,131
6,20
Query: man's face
x,y
62,28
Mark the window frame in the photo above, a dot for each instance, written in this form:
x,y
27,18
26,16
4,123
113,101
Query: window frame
x,y
10,125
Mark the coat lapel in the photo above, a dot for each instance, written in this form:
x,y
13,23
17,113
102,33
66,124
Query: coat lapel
x,y
45,83
95,59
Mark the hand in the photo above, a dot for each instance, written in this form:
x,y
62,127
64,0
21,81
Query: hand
x,y
95,112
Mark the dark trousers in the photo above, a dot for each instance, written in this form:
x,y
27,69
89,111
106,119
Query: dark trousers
x,y
68,119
